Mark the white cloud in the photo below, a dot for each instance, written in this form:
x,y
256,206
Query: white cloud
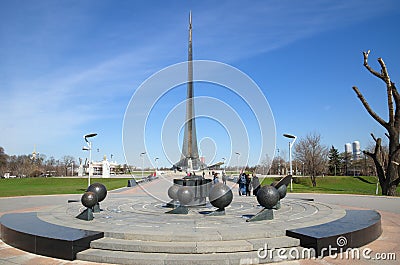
x,y
74,90
238,30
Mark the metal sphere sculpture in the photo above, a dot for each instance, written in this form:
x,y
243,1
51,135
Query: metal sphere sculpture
x,y
282,190
268,196
99,189
89,199
173,192
220,196
185,195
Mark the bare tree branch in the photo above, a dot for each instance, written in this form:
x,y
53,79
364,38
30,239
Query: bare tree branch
x,y
368,153
396,182
384,75
368,108
378,145
396,152
377,158
395,94
373,137
372,71
396,97
386,78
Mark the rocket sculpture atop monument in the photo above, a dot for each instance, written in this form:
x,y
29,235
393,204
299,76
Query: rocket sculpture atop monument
x,y
190,154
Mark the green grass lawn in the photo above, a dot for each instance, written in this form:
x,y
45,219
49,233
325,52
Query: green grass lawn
x,y
335,185
45,186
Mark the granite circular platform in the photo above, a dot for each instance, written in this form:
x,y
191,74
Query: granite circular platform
x,y
136,230
145,219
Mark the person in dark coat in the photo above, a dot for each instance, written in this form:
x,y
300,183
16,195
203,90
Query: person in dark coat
x,y
215,179
242,184
256,184
248,185
224,177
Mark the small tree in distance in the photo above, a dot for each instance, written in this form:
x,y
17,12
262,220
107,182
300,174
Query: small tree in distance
x,y
334,161
264,166
3,161
313,154
67,162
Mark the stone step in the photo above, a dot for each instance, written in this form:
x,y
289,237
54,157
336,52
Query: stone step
x,y
193,247
190,236
238,258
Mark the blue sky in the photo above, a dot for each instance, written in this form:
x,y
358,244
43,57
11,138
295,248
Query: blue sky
x,y
68,68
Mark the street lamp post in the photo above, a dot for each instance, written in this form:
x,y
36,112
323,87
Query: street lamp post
x,y
155,160
238,155
89,148
279,163
290,136
142,156
224,162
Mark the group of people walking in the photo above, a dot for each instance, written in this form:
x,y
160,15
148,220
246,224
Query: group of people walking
x,y
216,177
247,183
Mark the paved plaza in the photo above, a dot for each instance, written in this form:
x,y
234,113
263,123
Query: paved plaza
x,y
132,214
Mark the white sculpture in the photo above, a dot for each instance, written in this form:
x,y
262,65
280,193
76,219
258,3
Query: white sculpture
x,y
80,169
106,168
190,165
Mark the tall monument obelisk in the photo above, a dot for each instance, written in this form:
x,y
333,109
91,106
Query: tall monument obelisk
x,y
190,154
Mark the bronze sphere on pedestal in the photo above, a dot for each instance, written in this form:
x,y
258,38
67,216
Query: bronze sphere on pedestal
x,y
268,196
220,196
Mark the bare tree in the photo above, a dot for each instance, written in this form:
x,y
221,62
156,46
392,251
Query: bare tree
x,y
313,154
3,161
23,166
277,165
67,162
385,164
265,165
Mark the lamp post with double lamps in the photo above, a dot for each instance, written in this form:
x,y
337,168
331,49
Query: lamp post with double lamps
x,y
89,148
142,156
155,160
290,136
238,156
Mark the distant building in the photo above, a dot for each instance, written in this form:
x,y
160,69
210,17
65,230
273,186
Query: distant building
x,y
98,168
352,154
348,149
356,150
103,168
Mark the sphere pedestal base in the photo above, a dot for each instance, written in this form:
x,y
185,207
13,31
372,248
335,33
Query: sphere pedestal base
x,y
86,215
96,208
172,204
265,214
277,206
179,210
218,212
